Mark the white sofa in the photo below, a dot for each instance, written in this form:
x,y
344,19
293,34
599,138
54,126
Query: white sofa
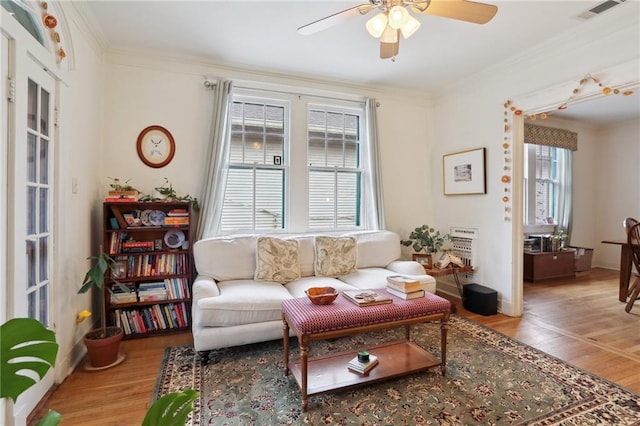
x,y
231,308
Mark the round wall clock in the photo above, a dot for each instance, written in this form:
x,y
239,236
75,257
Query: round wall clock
x,y
156,146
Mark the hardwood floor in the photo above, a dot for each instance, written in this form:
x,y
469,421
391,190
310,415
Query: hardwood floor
x,y
577,320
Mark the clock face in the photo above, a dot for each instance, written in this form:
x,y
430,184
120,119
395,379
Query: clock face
x,y
156,146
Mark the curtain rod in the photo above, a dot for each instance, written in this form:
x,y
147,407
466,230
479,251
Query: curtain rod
x,y
212,84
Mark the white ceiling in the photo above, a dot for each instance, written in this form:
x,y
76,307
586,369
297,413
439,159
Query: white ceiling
x,y
261,35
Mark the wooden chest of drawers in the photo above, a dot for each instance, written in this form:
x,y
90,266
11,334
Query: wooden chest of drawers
x,y
548,265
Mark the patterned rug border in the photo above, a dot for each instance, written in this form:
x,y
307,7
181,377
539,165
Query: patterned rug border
x,y
580,380
541,352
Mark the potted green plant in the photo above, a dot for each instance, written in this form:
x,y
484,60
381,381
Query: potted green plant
x,y
103,344
120,189
425,239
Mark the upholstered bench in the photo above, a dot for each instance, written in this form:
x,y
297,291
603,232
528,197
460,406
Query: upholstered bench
x,y
312,322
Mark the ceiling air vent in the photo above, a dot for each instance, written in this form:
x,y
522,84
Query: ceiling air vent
x,y
604,6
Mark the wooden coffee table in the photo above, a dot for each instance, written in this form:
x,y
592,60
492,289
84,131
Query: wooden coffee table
x,y
342,318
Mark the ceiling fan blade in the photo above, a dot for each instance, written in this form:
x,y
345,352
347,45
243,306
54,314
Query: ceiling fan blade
x,y
463,10
336,18
389,50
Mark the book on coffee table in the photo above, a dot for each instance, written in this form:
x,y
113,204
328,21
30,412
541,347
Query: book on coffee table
x,y
362,367
366,297
404,284
406,295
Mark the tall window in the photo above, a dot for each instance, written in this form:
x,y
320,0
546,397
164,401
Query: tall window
x,y
294,165
334,169
542,182
255,192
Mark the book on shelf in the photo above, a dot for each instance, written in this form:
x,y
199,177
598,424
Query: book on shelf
x,y
406,295
366,297
402,283
119,296
178,212
362,367
176,220
121,199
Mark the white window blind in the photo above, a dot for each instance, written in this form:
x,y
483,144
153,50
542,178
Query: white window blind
x,y
334,173
294,165
254,195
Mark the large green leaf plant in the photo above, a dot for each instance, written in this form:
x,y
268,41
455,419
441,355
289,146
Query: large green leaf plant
x,y
25,344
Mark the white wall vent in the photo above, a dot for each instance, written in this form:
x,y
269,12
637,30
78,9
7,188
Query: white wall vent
x,y
602,7
465,245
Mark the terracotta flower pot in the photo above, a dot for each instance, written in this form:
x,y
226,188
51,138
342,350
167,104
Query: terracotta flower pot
x,y
103,351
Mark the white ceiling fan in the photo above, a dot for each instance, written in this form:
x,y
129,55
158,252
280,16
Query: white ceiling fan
x,y
394,19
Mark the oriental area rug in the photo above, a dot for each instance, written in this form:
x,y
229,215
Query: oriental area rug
x,y
491,380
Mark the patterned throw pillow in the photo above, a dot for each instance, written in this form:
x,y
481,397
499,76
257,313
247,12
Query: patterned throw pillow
x,y
277,260
335,256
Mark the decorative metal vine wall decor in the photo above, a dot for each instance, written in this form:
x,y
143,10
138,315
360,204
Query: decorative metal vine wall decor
x,y
51,22
510,110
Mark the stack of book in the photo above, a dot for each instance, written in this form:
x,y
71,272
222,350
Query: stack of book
x,y
152,291
404,287
177,217
118,295
362,367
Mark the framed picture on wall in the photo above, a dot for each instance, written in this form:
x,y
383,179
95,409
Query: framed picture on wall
x,y
464,172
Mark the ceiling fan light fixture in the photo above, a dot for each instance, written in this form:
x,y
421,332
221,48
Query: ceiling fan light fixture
x,y
410,27
398,16
376,25
390,35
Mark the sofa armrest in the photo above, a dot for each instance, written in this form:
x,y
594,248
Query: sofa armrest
x,y
406,267
204,286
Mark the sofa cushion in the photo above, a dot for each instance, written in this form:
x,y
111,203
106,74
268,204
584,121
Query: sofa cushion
x,y
277,260
306,250
377,248
226,258
335,256
242,302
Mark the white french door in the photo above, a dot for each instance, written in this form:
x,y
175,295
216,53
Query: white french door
x,y
31,195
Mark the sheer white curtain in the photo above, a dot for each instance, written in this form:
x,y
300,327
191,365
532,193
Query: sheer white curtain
x,y
565,188
214,185
375,217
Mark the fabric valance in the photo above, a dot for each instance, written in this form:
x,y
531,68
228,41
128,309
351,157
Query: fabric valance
x,y
549,136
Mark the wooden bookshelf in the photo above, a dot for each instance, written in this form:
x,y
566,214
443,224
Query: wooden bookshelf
x,y
152,245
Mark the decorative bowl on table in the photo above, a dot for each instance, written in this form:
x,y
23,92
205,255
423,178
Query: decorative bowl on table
x,y
321,295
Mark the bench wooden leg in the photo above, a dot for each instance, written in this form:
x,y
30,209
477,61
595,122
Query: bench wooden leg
x,y
285,341
304,358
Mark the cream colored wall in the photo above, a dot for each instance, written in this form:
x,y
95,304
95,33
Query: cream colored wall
x,y
79,162
617,185
145,91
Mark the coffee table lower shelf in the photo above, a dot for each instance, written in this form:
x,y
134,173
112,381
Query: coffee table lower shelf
x,y
329,372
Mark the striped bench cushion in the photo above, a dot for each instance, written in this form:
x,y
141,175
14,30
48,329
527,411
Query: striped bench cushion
x,y
306,318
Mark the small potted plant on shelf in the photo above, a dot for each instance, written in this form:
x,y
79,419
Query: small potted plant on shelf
x,y
120,189
428,240
103,344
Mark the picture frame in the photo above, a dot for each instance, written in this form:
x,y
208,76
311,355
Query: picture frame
x,y
464,172
424,259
